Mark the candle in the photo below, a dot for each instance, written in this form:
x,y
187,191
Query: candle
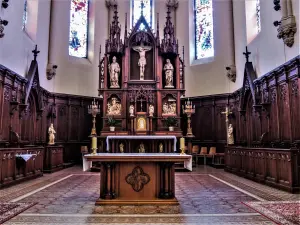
x,y
182,144
94,142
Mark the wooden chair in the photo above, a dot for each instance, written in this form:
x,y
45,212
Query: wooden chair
x,y
195,152
212,153
203,153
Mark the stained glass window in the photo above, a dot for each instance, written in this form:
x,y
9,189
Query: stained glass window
x,y
137,11
78,28
204,35
258,15
25,15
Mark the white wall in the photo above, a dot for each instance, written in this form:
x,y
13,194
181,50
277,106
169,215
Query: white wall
x,y
16,46
80,76
267,51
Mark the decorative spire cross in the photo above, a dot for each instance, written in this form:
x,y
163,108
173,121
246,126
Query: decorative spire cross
x,y
35,53
247,54
142,7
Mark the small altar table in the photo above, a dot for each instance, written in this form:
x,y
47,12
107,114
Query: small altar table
x,y
137,178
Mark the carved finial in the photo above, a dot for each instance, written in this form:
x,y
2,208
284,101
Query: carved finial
x,y
125,33
247,54
157,26
35,53
183,54
142,7
99,55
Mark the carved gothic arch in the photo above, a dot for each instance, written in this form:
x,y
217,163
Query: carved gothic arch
x,y
147,30
33,84
249,87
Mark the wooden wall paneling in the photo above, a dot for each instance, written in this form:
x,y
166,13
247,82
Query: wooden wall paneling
x,y
284,113
62,123
1,107
273,126
6,116
74,123
220,126
295,108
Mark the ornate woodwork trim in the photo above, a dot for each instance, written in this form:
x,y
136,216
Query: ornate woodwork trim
x,y
137,179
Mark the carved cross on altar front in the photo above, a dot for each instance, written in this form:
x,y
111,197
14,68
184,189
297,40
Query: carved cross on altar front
x,y
227,113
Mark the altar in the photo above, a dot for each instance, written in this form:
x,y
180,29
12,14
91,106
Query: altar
x,y
137,178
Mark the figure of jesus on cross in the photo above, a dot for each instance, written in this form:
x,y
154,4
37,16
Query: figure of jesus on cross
x,y
142,60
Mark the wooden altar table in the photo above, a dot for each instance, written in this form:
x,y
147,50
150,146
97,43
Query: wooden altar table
x,y
137,178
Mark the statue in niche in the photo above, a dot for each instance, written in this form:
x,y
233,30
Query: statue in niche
x,y
114,107
230,135
151,110
142,60
169,108
51,133
114,70
169,69
131,110
142,148
161,148
121,146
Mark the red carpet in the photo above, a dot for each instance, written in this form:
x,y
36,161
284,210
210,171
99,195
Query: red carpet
x,y
281,212
9,210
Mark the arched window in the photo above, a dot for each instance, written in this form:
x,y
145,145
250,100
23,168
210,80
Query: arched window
x,y
30,18
78,35
204,32
25,15
137,6
253,23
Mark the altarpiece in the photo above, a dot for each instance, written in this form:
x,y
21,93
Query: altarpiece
x,y
141,82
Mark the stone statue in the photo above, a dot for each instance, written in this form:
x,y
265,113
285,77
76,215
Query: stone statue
x,y
142,60
131,110
169,108
151,110
142,148
161,148
114,70
121,148
51,133
231,73
169,69
113,107
230,135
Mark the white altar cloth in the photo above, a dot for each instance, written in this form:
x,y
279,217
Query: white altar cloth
x,y
146,137
25,157
88,164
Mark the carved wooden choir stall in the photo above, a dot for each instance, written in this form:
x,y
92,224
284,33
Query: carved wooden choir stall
x,y
141,82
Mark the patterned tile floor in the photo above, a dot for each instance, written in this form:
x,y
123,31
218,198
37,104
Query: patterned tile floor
x,y
206,196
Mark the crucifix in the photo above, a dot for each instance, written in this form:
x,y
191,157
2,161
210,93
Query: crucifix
x,y
141,100
247,54
227,113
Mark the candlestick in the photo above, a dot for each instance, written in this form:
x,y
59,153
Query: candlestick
x,y
182,146
189,109
94,109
